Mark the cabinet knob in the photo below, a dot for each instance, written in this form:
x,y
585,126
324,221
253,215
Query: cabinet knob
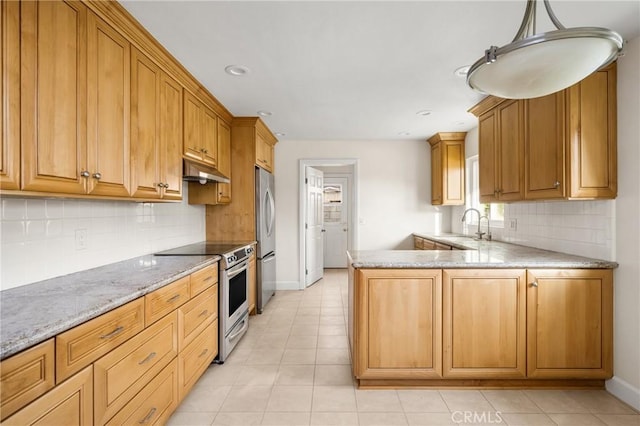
x,y
85,174
166,185
206,151
534,284
556,184
160,185
97,175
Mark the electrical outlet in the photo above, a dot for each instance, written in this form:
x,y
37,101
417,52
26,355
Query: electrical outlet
x,y
81,239
513,224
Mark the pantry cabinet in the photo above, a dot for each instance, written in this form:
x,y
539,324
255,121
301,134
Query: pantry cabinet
x,y
484,323
447,168
387,347
560,146
570,323
54,96
10,95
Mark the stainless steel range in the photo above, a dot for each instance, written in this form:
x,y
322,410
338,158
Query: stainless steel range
x,y
233,308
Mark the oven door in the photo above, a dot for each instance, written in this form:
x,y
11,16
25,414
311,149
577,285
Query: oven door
x,y
234,289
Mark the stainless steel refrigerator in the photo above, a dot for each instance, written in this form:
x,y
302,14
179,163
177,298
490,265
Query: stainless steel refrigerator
x,y
266,236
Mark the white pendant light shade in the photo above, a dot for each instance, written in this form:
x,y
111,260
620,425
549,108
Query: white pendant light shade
x,y
545,63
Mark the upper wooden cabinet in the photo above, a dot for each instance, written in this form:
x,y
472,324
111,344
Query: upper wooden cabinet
x,y
10,90
264,152
558,146
200,131
155,136
447,168
54,96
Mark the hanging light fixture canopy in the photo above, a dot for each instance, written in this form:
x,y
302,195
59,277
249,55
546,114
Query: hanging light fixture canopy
x,y
534,65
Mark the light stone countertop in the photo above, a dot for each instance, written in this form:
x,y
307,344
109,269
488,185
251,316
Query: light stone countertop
x,y
473,254
33,313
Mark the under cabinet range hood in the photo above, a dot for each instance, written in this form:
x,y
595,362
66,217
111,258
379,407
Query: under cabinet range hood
x,y
194,172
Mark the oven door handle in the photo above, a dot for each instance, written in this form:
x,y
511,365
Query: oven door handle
x,y
232,272
244,327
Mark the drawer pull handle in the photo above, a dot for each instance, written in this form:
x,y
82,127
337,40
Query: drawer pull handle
x,y
148,416
114,333
209,278
203,313
148,358
174,298
203,353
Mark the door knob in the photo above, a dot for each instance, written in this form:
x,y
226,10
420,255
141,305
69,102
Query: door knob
x,y
344,229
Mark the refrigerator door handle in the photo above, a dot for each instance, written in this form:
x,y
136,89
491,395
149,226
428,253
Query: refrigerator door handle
x,y
270,216
269,258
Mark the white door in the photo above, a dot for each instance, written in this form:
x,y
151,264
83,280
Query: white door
x,y
336,221
313,226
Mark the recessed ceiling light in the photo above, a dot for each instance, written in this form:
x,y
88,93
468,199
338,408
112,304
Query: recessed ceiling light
x,y
424,112
237,70
262,113
404,134
462,71
280,134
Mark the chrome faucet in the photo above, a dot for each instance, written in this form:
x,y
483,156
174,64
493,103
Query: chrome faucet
x,y
488,238
464,216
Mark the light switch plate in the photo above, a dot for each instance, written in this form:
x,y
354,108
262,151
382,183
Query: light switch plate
x,y
513,224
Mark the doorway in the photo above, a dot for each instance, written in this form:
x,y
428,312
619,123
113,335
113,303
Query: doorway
x,y
340,231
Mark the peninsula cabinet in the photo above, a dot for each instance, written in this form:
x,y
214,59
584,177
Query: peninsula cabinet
x,y
156,123
559,146
570,323
484,323
200,130
447,168
10,95
398,324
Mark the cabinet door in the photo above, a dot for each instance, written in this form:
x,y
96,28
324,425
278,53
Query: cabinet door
x,y
436,174
145,127
264,154
484,323
10,94
570,323
544,147
399,324
224,161
511,151
592,136
53,98
192,127
171,138
70,403
209,136
452,164
108,77
487,154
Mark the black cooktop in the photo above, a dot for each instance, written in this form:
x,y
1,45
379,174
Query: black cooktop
x,y
204,248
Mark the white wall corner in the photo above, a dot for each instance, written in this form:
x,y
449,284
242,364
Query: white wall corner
x,y
624,391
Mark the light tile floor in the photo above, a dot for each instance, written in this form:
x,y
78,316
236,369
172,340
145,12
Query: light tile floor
x,y
292,368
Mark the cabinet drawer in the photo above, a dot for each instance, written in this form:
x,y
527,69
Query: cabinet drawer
x,y
69,404
155,403
417,243
195,359
80,346
204,278
195,315
428,245
25,377
119,375
164,300
440,246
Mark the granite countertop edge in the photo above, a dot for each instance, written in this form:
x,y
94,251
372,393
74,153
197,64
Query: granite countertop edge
x,y
19,334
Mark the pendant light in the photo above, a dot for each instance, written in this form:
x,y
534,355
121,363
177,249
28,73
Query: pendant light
x,y
534,65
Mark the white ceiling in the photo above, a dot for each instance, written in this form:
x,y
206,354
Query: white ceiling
x,y
352,70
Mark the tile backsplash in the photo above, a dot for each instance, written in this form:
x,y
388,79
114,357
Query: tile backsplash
x,y
583,228
45,238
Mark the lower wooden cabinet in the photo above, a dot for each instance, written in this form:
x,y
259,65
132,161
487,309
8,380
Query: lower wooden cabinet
x,y
570,323
196,357
196,315
155,403
26,376
69,404
484,323
398,324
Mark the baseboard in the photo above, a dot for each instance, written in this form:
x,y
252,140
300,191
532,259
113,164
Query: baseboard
x,y
287,285
624,391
